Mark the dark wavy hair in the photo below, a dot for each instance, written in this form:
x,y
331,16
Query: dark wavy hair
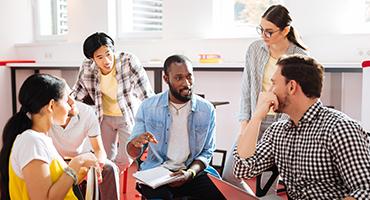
x,y
36,92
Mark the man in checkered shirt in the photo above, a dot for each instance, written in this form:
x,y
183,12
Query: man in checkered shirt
x,y
321,153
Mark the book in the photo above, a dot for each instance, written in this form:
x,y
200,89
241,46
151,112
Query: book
x,y
92,186
156,177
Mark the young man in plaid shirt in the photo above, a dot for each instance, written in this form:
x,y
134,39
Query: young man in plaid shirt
x,y
115,83
321,153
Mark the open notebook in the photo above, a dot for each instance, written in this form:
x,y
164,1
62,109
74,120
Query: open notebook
x,y
92,186
155,177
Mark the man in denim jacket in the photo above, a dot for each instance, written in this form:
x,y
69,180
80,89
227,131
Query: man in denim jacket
x,y
179,128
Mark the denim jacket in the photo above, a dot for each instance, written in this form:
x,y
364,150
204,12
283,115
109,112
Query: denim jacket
x,y
154,116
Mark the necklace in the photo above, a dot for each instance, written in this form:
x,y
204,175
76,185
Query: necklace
x,y
178,109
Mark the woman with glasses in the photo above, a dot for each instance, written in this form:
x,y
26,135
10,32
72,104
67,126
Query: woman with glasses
x,y
278,38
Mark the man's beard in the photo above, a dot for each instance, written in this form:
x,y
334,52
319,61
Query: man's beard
x,y
178,95
283,102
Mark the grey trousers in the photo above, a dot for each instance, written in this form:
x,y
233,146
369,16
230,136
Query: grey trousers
x,y
109,189
115,134
228,169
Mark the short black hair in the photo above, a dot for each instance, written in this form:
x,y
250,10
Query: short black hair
x,y
95,41
175,59
306,71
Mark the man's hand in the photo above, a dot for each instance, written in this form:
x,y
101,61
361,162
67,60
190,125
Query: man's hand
x,y
142,139
99,171
184,176
266,101
247,141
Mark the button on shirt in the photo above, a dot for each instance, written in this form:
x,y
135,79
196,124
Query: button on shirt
x,y
132,82
154,116
326,156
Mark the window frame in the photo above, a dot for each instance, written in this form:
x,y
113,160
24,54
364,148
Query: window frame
x,y
222,22
134,35
38,37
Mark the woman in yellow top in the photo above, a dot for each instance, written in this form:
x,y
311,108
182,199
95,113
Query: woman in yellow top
x,y
31,167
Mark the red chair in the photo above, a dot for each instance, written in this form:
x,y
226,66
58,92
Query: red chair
x,y
124,177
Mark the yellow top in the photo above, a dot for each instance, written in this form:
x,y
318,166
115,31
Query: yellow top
x,y
270,68
28,146
18,189
108,86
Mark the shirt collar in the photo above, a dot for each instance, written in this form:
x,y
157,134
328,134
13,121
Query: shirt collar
x,y
289,51
74,120
165,100
308,116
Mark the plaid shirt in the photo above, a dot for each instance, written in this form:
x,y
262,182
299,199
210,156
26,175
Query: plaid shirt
x,y
133,84
326,156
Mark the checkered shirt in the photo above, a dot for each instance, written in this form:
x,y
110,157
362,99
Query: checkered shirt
x,y
326,156
132,80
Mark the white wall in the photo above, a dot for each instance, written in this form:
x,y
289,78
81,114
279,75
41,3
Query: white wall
x,y
16,27
185,25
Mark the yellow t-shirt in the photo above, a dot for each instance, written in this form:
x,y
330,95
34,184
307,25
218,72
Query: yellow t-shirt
x,y
108,86
28,146
270,69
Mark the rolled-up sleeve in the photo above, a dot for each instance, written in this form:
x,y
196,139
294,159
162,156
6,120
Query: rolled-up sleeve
x,y
262,159
210,145
139,126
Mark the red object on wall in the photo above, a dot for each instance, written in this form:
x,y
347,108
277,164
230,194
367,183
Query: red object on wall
x,y
366,63
4,62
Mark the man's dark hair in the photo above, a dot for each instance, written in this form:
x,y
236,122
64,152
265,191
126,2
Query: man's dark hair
x,y
95,41
175,59
306,71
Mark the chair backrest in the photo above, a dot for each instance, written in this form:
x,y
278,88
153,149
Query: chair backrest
x,y
92,186
261,190
219,166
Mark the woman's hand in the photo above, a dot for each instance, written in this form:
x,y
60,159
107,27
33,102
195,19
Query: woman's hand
x,y
82,163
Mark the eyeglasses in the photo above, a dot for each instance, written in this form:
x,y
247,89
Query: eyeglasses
x,y
267,34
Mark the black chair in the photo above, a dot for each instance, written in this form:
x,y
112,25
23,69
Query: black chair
x,y
262,190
